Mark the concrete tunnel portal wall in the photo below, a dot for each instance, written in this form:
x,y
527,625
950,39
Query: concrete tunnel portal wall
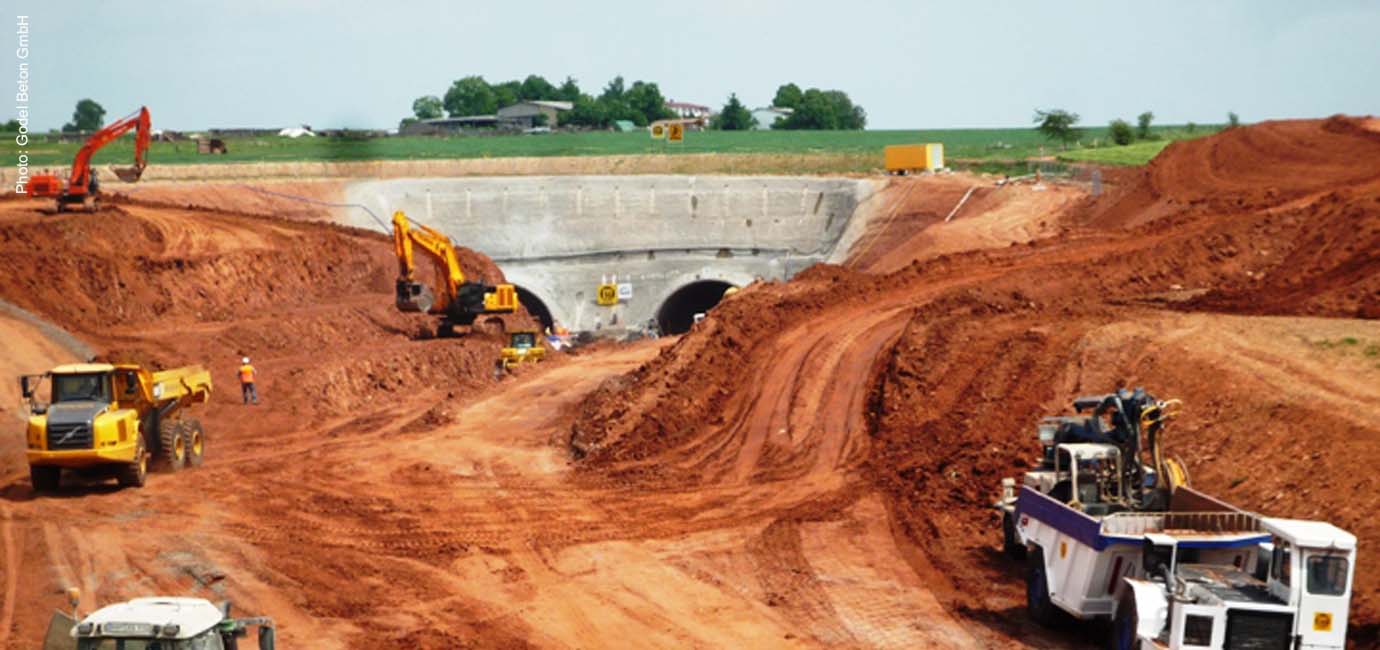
x,y
668,238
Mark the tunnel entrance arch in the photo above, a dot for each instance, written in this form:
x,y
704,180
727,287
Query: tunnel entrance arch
x,y
677,313
535,306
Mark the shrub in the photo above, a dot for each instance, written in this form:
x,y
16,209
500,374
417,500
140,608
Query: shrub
x,y
1121,132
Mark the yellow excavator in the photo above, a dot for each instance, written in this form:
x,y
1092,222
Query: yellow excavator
x,y
455,300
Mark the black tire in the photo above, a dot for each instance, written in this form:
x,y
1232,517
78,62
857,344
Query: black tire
x,y
45,478
267,638
172,448
195,442
1122,635
1037,602
136,473
1010,545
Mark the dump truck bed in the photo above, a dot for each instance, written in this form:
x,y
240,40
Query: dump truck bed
x,y
191,384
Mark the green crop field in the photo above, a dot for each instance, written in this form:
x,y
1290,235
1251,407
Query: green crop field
x,y
973,146
1136,153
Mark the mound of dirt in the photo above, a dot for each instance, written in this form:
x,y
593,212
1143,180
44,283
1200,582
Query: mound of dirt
x,y
1265,166
310,303
1288,209
136,266
927,380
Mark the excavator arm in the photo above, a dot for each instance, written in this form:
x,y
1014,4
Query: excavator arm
x,y
456,300
81,183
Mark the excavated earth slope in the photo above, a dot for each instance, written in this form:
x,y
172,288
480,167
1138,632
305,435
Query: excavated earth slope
x,y
811,467
1239,272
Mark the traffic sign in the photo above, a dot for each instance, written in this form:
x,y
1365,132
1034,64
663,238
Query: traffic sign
x,y
624,291
658,131
675,133
608,295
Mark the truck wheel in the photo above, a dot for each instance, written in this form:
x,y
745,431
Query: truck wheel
x,y
196,442
45,478
1123,632
174,445
137,472
1037,603
266,638
1010,545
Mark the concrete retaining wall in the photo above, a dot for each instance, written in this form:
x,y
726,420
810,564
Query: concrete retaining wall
x,y
559,237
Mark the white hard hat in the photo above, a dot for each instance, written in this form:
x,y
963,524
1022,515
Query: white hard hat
x,y
245,360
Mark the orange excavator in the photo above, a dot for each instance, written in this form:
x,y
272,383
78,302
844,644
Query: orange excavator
x,y
82,188
455,300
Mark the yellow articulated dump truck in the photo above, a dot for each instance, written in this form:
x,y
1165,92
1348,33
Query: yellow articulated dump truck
x,y
104,420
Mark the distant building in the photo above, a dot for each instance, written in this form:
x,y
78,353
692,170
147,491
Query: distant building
x,y
445,125
523,115
686,110
297,132
765,116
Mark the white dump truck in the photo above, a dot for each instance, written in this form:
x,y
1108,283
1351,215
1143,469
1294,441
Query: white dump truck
x,y
160,623
1110,530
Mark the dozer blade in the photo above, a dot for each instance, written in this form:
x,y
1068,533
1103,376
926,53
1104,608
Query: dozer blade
x,y
128,174
413,297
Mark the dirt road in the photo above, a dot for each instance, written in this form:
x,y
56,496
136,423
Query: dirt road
x,y
810,467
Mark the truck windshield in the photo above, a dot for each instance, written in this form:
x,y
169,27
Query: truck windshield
x,y
1327,575
83,387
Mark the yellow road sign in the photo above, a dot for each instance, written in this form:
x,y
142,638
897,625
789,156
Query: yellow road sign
x,y
608,294
658,131
675,133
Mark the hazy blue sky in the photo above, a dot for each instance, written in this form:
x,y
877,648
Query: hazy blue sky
x,y
911,64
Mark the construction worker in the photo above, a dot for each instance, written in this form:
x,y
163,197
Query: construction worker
x,y
247,389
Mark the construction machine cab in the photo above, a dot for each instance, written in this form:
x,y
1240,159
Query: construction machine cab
x,y
86,382
524,346
165,623
1312,566
1088,477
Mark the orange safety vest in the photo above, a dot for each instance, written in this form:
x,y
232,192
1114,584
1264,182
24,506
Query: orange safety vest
x,y
246,374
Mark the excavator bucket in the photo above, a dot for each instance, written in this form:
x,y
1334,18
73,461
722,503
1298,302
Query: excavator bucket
x,y
414,297
128,174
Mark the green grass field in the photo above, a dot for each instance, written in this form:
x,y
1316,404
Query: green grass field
x,y
973,146
1136,153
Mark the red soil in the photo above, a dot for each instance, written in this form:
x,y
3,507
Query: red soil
x,y
925,383
812,466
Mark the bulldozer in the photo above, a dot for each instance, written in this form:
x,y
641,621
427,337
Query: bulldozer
x,y
103,420
457,301
524,346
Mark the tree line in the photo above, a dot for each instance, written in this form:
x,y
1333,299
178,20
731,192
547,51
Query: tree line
x,y
640,103
1061,125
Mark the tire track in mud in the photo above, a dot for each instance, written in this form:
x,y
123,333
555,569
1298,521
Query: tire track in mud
x,y
11,571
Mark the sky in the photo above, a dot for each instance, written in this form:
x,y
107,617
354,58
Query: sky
x,y
910,64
